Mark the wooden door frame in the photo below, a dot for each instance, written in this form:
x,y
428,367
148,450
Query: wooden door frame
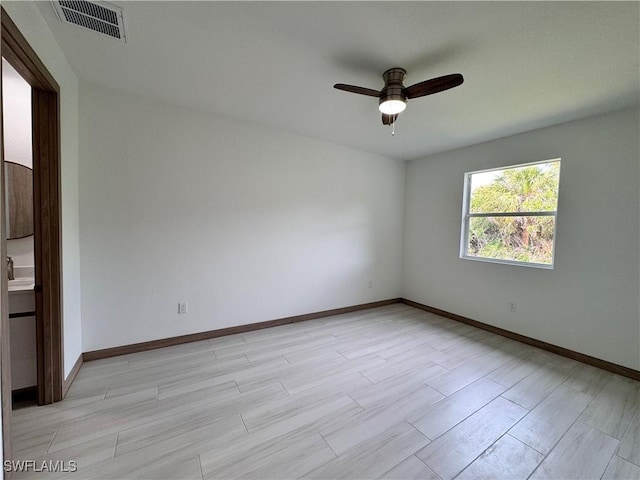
x,y
45,101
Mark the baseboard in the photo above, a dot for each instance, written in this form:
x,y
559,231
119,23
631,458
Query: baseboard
x,y
565,352
66,384
195,337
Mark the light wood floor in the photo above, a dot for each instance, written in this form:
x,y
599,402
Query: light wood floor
x,y
391,392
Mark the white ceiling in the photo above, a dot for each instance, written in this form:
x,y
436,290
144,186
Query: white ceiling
x,y
526,64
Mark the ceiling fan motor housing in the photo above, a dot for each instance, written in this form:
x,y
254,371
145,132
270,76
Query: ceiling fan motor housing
x,y
393,85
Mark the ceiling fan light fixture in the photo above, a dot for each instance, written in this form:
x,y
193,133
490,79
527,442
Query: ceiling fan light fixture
x,y
392,99
392,106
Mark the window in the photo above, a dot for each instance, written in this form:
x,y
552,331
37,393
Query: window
x,y
509,214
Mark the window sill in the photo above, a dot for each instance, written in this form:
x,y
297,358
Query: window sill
x,y
543,266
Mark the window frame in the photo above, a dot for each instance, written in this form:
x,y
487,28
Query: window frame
x,y
467,215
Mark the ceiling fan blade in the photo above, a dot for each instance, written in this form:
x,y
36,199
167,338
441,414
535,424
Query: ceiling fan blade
x,y
434,85
389,119
354,89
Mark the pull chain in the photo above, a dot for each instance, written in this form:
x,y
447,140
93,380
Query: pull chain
x,y
393,129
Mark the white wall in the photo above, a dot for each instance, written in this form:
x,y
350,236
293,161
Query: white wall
x,y
589,302
16,111
244,223
31,24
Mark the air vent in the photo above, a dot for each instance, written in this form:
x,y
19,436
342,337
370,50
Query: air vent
x,y
101,17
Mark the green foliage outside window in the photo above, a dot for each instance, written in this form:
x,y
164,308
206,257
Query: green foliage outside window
x,y
532,188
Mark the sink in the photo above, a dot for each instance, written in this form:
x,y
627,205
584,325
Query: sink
x,y
24,283
20,271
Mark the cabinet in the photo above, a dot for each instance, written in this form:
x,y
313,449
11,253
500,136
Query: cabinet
x,y
22,321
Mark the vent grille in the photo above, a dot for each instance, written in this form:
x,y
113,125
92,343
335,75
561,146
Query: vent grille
x,y
94,15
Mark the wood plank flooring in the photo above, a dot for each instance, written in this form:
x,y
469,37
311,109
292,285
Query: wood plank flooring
x,y
392,392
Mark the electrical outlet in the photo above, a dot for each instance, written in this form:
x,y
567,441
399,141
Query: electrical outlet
x,y
182,307
511,306
370,284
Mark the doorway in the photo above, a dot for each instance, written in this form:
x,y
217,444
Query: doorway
x,y
18,174
45,106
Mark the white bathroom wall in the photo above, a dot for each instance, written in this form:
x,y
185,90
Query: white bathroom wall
x,y
589,302
244,223
16,107
16,111
29,21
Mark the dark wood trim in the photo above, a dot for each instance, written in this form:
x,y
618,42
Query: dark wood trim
x,y
195,337
47,242
565,352
72,376
47,201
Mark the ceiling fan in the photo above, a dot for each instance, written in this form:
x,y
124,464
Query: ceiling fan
x,y
393,97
